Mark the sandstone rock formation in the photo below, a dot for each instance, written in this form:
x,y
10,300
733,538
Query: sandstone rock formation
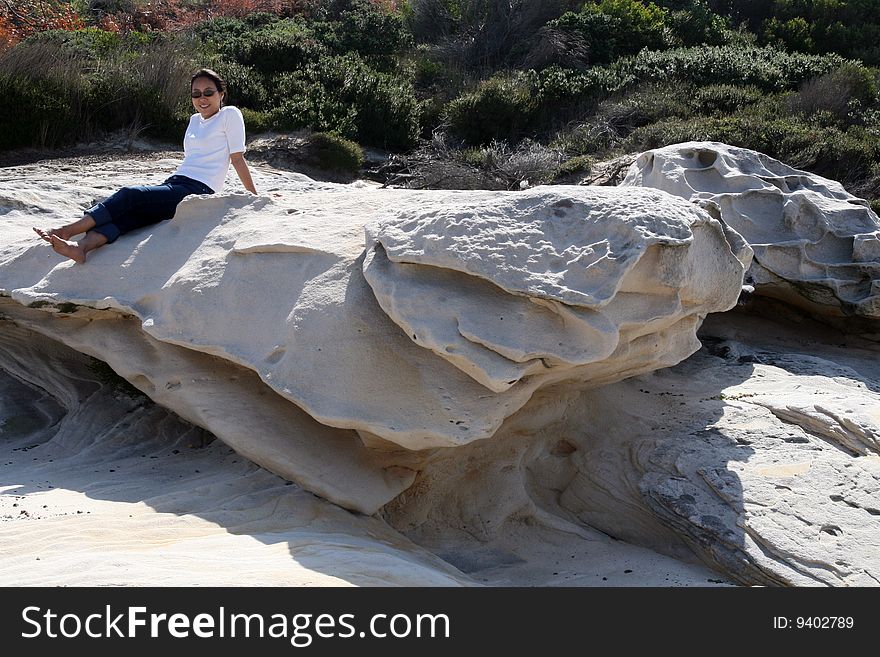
x,y
501,379
815,244
101,487
596,285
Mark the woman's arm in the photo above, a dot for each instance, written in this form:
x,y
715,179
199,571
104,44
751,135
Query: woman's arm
x,y
241,168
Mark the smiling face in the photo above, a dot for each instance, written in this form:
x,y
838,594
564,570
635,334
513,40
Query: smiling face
x,y
207,106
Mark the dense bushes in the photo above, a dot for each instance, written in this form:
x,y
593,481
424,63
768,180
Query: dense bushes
x,y
719,78
614,28
482,36
502,107
337,72
849,27
334,72
769,69
344,95
52,94
508,86
331,152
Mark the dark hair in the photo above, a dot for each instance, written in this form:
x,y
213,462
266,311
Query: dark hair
x,y
211,75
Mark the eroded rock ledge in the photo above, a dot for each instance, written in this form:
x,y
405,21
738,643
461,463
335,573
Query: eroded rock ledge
x,y
815,245
456,369
404,342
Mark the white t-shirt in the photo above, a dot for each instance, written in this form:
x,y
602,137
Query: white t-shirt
x,y
208,143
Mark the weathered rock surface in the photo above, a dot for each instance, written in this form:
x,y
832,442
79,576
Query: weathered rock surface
x,y
555,283
700,459
276,285
815,244
343,364
99,486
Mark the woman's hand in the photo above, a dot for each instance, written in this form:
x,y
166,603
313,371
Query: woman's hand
x,y
244,174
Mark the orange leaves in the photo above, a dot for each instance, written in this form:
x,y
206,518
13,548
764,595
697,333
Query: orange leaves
x,y
20,19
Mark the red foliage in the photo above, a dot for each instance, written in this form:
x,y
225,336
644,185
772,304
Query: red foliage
x,y
20,19
173,15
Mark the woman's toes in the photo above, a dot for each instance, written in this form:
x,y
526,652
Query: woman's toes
x,y
71,250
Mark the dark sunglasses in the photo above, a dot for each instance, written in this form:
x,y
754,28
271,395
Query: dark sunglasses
x,y
207,93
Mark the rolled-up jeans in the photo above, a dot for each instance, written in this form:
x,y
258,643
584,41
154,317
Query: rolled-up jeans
x,y
141,205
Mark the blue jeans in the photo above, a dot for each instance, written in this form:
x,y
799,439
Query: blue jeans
x,y
142,205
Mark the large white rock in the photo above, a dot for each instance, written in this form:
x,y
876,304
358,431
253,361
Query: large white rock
x,y
554,283
757,456
277,286
815,245
101,487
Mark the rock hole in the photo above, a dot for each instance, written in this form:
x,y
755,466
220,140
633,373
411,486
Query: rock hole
x,y
707,158
276,355
563,448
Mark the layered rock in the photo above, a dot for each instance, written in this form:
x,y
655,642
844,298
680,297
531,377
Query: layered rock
x,y
559,283
344,364
102,487
815,244
758,455
595,285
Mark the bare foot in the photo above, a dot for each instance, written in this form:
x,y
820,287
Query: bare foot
x,y
71,250
58,232
44,233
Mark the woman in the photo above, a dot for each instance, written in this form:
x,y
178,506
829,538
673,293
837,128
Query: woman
x,y
214,138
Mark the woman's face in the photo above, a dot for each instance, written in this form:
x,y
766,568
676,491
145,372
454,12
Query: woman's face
x,y
206,105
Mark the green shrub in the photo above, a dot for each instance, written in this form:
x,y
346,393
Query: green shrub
x,y
143,92
559,86
43,95
725,98
565,95
254,121
609,29
648,103
41,108
63,88
344,95
431,112
90,43
244,85
616,117
597,33
575,166
283,46
376,34
591,137
502,107
501,166
427,72
767,68
332,152
481,35
613,28
222,35
693,23
791,34
842,93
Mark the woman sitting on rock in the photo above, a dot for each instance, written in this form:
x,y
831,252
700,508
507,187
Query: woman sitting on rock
x,y
213,139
